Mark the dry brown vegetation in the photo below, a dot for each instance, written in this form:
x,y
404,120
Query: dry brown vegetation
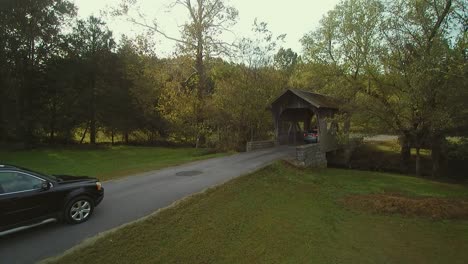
x,y
435,208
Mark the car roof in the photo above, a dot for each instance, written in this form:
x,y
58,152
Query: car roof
x,y
6,166
12,167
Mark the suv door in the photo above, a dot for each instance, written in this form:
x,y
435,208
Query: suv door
x,y
22,198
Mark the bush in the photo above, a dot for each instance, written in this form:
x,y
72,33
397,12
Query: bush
x,y
457,158
458,149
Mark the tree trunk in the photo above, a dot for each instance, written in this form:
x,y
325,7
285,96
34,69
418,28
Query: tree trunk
x,y
27,110
92,128
201,76
218,144
418,161
92,131
347,127
84,134
405,153
30,84
126,137
438,155
436,168
52,123
202,89
3,130
52,135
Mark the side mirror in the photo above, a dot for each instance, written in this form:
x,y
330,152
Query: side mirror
x,y
45,186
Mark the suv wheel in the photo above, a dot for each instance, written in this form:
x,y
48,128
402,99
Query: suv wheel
x,y
78,210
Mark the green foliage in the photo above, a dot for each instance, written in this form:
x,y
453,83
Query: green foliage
x,y
30,35
139,91
458,150
244,91
235,112
286,215
397,66
207,21
54,84
393,61
92,42
179,108
286,60
200,41
240,104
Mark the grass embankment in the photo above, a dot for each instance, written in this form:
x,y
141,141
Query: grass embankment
x,y
106,163
392,146
385,156
282,214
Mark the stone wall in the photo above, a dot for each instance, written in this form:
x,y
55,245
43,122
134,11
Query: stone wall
x,y
254,145
311,155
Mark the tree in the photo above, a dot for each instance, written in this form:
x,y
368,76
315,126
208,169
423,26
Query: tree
x,y
201,36
243,91
137,92
397,62
420,58
286,60
178,100
30,32
63,107
340,51
200,39
92,42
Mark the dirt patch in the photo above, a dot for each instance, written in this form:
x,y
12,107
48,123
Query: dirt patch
x,y
435,208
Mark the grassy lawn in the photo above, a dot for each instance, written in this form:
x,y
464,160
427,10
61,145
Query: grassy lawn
x,y
104,163
392,146
385,156
282,214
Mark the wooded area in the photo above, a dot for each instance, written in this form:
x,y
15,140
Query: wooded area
x,y
399,66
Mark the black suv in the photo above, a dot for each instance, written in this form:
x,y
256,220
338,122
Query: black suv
x,y
29,198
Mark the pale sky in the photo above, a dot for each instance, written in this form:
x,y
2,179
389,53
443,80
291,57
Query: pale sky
x,y
293,17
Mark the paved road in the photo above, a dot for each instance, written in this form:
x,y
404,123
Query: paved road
x,y
131,198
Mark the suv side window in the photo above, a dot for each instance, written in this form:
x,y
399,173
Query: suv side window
x,y
11,182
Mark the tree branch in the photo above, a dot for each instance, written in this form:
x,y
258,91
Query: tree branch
x,y
440,20
154,28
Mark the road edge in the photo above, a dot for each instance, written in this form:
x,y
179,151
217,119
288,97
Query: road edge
x,y
89,241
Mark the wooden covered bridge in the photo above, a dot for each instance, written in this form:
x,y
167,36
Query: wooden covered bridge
x,y
296,111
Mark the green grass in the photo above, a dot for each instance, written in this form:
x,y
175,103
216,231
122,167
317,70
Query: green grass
x,y
104,163
285,215
393,146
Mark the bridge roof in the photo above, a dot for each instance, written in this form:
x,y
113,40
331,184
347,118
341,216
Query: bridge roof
x,y
315,99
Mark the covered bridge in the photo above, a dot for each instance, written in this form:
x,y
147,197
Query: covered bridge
x,y
296,111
